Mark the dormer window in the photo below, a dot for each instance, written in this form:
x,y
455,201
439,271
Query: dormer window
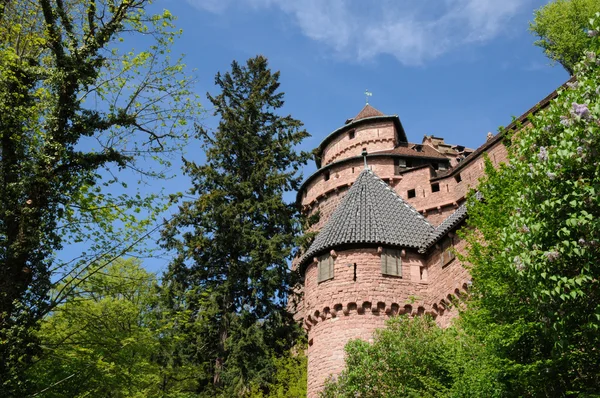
x,y
325,268
351,134
418,148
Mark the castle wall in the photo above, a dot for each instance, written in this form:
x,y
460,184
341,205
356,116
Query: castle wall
x,y
345,308
358,300
446,282
377,136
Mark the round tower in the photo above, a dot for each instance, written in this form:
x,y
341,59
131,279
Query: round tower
x,y
375,252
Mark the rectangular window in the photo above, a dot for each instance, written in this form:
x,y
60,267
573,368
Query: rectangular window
x,y
325,268
435,187
400,164
447,251
411,193
391,263
458,178
443,166
326,175
351,134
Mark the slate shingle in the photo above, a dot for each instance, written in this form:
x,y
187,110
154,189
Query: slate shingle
x,y
448,224
371,213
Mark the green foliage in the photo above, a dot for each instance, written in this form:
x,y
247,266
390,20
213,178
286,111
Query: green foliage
x,y
230,278
535,247
100,341
561,26
289,380
415,358
74,111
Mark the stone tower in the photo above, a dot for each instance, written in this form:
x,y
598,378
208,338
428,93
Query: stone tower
x,y
385,233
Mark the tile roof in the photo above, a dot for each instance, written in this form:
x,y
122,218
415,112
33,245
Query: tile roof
x,y
447,225
371,213
408,149
367,111
441,230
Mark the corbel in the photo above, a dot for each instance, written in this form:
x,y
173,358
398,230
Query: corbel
x,y
333,254
403,253
380,250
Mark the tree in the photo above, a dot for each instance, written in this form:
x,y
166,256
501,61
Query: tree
x,y
102,339
534,247
416,358
234,240
561,26
74,110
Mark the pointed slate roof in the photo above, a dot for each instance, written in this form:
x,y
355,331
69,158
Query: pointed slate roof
x,y
367,111
447,225
371,213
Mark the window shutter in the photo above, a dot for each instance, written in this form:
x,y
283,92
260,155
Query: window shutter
x,y
325,268
447,254
398,263
391,263
384,262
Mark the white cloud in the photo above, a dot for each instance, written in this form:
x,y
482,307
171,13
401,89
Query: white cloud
x,y
413,31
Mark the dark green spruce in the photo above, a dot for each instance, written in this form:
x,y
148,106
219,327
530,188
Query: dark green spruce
x,y
234,241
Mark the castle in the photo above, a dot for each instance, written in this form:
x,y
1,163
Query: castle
x,y
386,241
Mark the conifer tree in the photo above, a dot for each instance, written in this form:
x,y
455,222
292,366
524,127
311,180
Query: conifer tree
x,y
233,241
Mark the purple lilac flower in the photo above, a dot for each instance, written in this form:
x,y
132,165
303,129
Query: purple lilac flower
x,y
519,263
565,121
581,242
580,110
551,176
525,229
592,33
547,128
580,150
552,256
590,55
573,85
558,166
543,155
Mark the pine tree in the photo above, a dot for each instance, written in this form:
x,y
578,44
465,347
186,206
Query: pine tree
x,y
233,242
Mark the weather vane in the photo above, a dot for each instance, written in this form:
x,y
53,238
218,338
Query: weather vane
x,y
367,95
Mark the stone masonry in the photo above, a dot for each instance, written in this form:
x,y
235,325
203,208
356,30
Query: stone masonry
x,y
426,182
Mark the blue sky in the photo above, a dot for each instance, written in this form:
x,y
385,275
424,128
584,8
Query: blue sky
x,y
453,68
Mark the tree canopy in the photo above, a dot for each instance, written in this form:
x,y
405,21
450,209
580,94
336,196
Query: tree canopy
x,y
76,108
234,239
562,29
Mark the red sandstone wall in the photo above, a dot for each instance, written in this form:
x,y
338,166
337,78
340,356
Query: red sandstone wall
x,y
375,137
341,309
446,283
